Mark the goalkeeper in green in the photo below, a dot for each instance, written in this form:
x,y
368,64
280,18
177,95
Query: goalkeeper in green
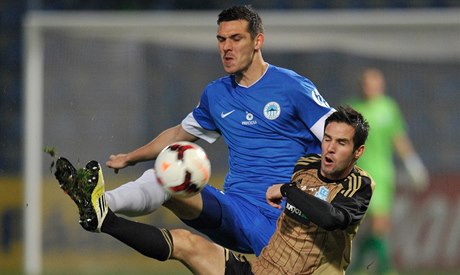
x,y
388,133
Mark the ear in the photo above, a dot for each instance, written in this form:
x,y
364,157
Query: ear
x,y
359,152
259,41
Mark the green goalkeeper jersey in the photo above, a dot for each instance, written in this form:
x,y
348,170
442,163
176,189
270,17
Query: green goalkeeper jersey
x,y
386,122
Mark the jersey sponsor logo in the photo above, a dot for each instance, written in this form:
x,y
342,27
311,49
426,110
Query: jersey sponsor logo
x,y
272,110
322,193
291,209
224,115
249,120
319,99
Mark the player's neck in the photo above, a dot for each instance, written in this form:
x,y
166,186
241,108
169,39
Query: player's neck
x,y
252,74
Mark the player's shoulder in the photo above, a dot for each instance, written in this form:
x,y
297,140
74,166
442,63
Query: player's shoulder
x,y
224,80
296,87
294,77
362,176
355,102
218,85
308,161
282,71
391,103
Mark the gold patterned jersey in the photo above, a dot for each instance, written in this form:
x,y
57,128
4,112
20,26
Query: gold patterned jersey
x,y
300,246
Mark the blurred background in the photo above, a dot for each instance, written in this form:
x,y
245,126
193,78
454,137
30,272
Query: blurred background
x,y
105,77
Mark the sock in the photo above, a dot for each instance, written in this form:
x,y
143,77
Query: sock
x,y
363,256
147,239
139,197
376,246
383,255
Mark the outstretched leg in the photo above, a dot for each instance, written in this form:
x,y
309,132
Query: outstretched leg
x,y
195,252
86,188
139,197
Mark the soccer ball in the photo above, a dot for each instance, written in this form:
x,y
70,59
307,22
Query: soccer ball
x,y
183,169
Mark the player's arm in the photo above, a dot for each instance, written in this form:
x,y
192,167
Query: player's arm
x,y
338,214
412,162
273,195
151,150
321,213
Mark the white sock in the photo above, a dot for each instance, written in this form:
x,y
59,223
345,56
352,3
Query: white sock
x,y
139,197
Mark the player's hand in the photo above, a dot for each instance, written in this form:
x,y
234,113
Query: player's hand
x,y
420,180
417,171
274,196
117,162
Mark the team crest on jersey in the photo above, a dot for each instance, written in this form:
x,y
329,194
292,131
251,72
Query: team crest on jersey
x,y
272,110
322,193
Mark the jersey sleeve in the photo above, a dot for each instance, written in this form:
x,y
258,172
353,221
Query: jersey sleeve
x,y
354,201
321,213
200,122
312,108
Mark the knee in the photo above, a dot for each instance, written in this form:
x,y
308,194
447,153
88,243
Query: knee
x,y
184,243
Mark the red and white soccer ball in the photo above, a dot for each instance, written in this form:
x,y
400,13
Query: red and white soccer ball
x,y
183,169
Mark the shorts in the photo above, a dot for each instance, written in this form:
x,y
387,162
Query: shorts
x,y
236,264
234,222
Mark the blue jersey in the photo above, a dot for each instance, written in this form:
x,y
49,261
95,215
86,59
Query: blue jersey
x,y
267,127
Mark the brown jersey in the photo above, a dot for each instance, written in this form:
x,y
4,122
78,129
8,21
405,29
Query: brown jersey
x,y
299,246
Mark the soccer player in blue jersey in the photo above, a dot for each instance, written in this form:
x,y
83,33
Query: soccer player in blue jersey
x,y
268,116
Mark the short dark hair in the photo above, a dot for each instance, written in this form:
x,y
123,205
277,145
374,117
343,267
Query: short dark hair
x,y
244,12
350,116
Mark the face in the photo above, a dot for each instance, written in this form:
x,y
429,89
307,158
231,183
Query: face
x,y
338,156
236,47
372,83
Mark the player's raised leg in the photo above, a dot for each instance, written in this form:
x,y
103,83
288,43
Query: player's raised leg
x,y
197,253
86,188
145,195
139,197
